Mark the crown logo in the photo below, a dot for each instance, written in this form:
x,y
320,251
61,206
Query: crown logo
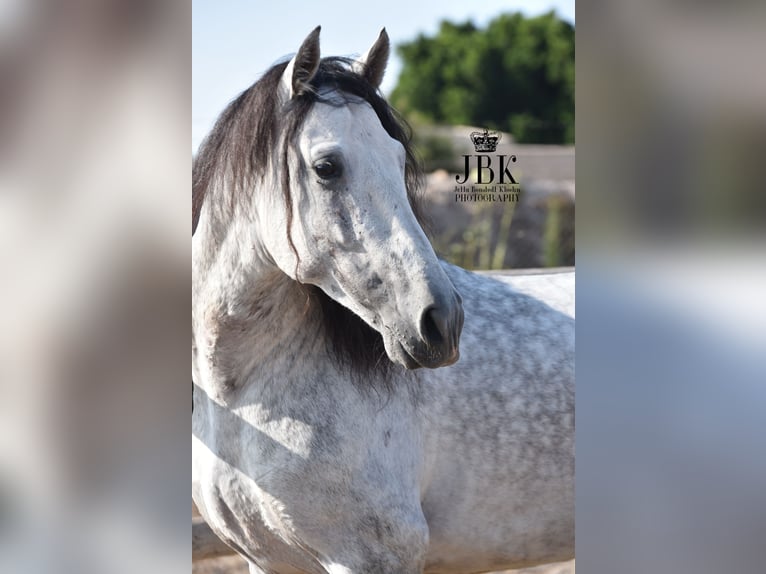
x,y
485,142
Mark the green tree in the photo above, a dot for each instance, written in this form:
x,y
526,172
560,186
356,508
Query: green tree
x,y
516,75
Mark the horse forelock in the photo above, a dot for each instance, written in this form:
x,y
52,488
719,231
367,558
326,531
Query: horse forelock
x,y
258,130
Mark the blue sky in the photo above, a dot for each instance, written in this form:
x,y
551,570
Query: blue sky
x,y
235,41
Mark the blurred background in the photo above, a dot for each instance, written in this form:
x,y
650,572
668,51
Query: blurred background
x,y
514,75
94,267
671,287
94,286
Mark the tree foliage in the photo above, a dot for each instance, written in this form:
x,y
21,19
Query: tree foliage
x,y
516,75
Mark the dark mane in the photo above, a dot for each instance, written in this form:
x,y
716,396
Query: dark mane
x,y
240,148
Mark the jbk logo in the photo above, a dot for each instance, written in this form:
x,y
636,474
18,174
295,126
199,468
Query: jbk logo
x,y
486,187
485,172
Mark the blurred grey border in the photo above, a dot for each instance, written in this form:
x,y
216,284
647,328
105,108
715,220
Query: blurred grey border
x,y
94,220
671,290
95,185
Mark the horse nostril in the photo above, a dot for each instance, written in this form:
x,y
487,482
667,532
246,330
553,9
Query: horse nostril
x,y
434,326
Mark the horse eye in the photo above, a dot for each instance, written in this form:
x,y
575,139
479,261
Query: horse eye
x,y
327,169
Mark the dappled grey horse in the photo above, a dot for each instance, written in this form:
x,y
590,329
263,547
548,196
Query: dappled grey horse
x,y
319,444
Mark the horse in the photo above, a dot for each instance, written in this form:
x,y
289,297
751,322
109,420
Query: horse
x,y
359,405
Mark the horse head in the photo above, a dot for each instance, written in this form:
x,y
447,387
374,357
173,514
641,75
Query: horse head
x,y
332,199
352,229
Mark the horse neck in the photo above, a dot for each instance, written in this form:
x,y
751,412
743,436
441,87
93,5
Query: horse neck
x,y
246,313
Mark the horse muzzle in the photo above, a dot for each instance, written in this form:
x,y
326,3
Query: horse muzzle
x,y
437,343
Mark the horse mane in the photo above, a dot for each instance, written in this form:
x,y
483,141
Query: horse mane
x,y
240,148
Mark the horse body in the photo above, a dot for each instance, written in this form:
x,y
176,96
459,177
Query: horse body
x,y
309,460
500,424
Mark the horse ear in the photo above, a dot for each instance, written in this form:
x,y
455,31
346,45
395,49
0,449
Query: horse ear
x,y
303,66
372,66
